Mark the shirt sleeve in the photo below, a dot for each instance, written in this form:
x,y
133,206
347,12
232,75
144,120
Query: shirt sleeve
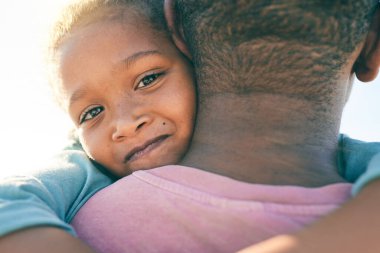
x,y
359,161
52,196
372,173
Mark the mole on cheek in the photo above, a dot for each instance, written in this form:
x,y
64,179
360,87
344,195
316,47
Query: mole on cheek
x,y
163,123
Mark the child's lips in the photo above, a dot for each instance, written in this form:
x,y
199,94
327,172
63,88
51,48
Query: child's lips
x,y
144,149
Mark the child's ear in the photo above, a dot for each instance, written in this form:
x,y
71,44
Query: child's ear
x,y
175,27
368,64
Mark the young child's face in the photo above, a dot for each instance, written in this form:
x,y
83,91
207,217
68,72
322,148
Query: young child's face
x,y
130,93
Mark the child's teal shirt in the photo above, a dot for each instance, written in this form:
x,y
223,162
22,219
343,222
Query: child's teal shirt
x,y
358,161
52,197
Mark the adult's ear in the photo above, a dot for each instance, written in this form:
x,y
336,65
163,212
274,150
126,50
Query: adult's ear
x,y
175,27
368,64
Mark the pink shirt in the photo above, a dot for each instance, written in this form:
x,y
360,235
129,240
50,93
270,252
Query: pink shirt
x,y
182,209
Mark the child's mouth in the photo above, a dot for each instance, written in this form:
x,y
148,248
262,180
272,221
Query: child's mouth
x,y
144,149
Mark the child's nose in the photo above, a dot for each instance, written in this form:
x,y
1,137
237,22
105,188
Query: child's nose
x,y
128,127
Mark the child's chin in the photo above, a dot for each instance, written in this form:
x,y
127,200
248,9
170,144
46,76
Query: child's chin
x,y
152,165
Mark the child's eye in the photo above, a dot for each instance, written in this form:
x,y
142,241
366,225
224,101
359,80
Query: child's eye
x,y
90,113
148,80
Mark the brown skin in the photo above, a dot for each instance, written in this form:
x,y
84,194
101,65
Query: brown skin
x,y
270,131
144,112
342,225
42,239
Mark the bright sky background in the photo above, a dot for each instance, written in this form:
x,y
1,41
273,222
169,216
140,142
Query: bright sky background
x,y
33,128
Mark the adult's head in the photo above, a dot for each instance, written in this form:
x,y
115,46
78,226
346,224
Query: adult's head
x,y
273,79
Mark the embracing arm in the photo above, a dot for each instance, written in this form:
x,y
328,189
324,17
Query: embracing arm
x,y
47,198
40,240
354,227
351,229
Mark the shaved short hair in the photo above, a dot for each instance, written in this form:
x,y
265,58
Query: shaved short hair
x,y
291,47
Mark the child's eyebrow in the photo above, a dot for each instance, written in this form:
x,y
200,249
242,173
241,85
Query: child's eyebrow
x,y
77,95
131,60
125,63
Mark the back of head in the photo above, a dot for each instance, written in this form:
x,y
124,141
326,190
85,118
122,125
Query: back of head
x,y
273,77
290,47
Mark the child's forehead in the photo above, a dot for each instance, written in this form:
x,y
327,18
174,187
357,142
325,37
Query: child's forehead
x,y
114,32
126,17
87,12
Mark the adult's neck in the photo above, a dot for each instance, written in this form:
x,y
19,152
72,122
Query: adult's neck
x,y
266,139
